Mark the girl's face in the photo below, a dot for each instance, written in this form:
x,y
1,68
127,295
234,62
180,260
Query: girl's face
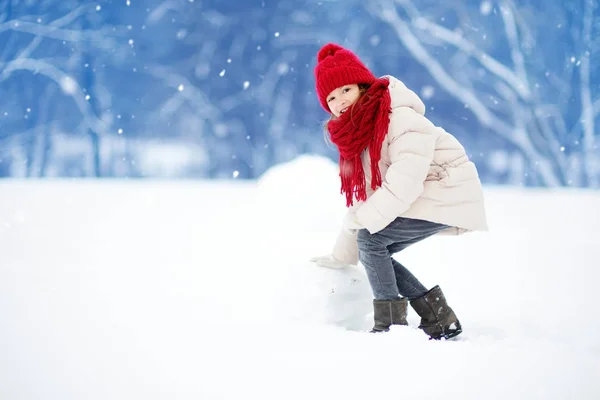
x,y
340,99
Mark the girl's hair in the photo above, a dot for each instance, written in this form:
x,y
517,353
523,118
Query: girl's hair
x,y
362,89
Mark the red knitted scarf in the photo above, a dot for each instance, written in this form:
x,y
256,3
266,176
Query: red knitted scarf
x,y
364,125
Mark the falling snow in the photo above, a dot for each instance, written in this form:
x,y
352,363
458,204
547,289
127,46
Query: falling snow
x,y
485,8
427,92
68,85
283,68
270,69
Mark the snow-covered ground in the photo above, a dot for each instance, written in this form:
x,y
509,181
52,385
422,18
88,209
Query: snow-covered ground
x,y
202,290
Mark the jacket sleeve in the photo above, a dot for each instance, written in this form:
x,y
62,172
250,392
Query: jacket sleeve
x,y
412,139
345,249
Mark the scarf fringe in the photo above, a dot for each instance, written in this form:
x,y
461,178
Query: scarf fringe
x,y
356,130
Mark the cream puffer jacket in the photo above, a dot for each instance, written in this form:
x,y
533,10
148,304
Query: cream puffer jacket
x,y
426,175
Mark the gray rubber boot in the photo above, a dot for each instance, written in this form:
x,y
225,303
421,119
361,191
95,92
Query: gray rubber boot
x,y
437,318
389,312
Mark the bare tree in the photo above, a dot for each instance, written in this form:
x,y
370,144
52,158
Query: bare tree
x,y
31,33
236,85
507,98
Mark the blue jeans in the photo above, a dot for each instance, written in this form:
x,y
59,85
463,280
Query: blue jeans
x,y
388,278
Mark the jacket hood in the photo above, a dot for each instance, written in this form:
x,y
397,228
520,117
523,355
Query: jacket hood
x,y
403,96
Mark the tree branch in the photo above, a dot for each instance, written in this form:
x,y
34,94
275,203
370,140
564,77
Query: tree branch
x,y
190,93
161,10
62,79
98,37
587,113
58,23
510,27
386,11
532,123
467,47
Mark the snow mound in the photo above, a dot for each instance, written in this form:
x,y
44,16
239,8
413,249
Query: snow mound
x,y
304,192
301,199
323,296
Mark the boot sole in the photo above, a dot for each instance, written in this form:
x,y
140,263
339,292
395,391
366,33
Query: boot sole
x,y
448,335
451,335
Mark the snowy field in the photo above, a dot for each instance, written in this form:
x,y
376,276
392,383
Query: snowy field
x,y
202,290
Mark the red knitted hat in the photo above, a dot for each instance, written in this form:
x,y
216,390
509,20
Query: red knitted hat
x,y
337,67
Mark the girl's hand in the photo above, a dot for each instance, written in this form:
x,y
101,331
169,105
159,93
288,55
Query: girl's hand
x,y
328,261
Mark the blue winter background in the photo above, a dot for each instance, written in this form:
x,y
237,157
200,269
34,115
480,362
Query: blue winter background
x,y
178,266
225,90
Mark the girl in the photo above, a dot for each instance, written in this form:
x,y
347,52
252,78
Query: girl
x,y
404,180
